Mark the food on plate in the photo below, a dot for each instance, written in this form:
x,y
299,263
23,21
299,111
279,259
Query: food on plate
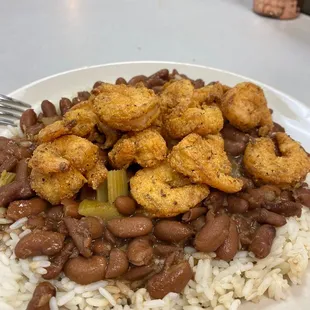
x,y
146,148
204,160
186,110
59,171
163,192
245,107
157,192
280,161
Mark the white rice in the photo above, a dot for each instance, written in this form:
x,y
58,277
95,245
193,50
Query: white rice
x,y
216,285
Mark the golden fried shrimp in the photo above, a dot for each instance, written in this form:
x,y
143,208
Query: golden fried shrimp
x,y
66,158
147,148
204,160
186,110
164,193
126,108
286,170
79,122
245,107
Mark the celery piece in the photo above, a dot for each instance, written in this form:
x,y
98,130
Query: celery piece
x,y
104,210
117,184
7,177
102,192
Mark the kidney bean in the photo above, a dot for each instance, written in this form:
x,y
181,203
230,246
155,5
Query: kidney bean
x,y
48,108
172,231
97,84
137,79
154,81
23,208
215,200
286,196
39,242
108,236
234,148
229,248
286,208
264,216
85,270
140,251
199,83
58,261
171,280
229,132
247,183
125,205
277,128
94,225
8,164
130,227
138,273
246,228
75,100
28,119
213,234
65,105
164,250
236,204
302,195
35,221
162,74
80,234
198,223
55,213
83,95
193,214
102,247
118,264
120,81
13,191
71,208
262,242
41,296
157,89
34,130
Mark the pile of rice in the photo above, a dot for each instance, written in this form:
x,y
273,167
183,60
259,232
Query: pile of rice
x,y
217,284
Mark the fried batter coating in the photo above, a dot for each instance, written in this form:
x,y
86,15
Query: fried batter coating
x,y
245,107
165,193
287,170
147,148
186,110
126,108
66,158
79,122
204,160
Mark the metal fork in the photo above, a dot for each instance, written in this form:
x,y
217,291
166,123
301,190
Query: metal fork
x,y
11,110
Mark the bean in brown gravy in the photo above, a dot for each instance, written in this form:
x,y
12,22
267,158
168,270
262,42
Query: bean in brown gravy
x,y
138,273
193,214
102,247
125,205
140,251
118,264
41,296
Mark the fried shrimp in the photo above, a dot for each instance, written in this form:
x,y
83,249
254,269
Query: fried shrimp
x,y
165,193
186,110
126,108
147,148
204,160
245,107
59,171
79,122
288,169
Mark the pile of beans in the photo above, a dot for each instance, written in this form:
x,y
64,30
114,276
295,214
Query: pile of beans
x,y
144,251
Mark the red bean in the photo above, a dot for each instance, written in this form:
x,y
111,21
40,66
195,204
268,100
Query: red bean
x,y
94,225
164,250
213,234
125,205
130,227
262,242
140,251
120,81
215,200
118,264
97,84
28,119
193,214
138,273
172,231
198,223
236,204
286,208
48,108
264,216
302,195
137,79
65,105
41,296
102,247
86,270
23,208
229,248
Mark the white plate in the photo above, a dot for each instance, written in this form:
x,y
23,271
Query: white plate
x,y
289,112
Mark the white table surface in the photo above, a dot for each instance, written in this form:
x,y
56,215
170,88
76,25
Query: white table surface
x,y
40,38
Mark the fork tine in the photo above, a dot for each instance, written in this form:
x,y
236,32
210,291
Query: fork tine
x,y
6,122
14,101
14,111
8,105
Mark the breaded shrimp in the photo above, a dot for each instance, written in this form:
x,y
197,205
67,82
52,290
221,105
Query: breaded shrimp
x,y
204,160
66,158
126,108
164,193
245,107
186,110
147,148
287,170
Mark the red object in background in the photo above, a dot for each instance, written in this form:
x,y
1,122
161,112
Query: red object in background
x,y
281,9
